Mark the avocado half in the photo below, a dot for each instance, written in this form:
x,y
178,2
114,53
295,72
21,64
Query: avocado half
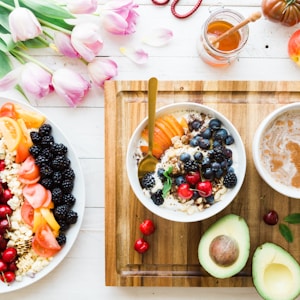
x,y
224,248
275,273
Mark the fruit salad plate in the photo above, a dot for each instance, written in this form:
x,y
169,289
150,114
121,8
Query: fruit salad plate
x,y
172,257
72,226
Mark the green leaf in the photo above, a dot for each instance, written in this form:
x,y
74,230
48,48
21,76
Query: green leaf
x,y
34,43
168,183
293,218
47,8
7,42
286,232
6,65
4,18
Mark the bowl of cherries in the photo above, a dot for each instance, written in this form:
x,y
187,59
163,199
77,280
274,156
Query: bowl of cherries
x,y
201,162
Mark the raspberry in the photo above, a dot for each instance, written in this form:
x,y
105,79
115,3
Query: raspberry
x,y
230,180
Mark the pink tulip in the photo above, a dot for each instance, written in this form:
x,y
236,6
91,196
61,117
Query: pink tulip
x,y
102,69
23,24
86,40
82,6
63,43
119,16
70,85
36,81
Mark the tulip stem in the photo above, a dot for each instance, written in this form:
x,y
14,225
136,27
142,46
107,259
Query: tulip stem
x,y
17,4
7,6
20,54
52,26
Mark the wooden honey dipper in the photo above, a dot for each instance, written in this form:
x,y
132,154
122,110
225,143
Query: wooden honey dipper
x,y
255,16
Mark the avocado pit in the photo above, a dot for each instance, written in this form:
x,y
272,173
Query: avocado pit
x,y
224,250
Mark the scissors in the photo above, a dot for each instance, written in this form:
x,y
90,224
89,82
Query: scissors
x,y
173,8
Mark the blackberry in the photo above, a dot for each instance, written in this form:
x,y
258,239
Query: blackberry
x,y
57,178
45,129
67,186
191,165
61,239
47,183
68,199
60,212
41,160
35,150
59,149
47,141
72,217
45,170
57,196
148,181
69,174
230,180
60,163
157,197
64,226
47,153
35,137
218,154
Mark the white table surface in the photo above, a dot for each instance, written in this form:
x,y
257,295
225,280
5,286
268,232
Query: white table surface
x,y
81,275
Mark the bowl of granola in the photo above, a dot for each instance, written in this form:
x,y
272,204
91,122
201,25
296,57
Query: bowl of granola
x,y
201,163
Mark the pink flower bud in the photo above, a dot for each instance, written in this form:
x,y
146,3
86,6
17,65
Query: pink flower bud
x,y
23,24
82,6
102,69
64,46
119,17
86,40
70,86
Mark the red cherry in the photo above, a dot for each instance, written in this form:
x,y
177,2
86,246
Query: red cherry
x,y
3,242
2,164
141,246
12,266
9,255
8,276
3,266
147,227
5,211
204,188
4,225
184,191
192,177
6,195
271,217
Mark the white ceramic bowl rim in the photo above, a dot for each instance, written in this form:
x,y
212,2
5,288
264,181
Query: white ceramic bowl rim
x,y
277,186
131,165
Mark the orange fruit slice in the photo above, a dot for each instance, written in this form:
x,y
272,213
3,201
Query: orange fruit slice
x,y
11,132
32,119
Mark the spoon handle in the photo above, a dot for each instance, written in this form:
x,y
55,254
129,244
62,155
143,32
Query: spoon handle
x,y
152,93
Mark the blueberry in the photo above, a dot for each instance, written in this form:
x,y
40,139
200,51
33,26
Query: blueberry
x,y
194,142
196,125
210,199
228,153
229,162
204,144
198,156
229,140
179,180
185,157
206,162
216,144
160,173
215,124
206,133
221,134
224,165
219,173
215,166
208,173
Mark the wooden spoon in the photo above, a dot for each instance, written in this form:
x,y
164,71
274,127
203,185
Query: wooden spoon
x,y
148,163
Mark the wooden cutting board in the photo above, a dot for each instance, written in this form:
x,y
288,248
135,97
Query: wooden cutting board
x,y
172,258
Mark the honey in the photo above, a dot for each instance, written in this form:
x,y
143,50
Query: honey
x,y
217,28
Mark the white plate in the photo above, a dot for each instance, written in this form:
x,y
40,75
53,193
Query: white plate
x,y
79,194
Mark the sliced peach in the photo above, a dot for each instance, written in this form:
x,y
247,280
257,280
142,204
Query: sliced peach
x,y
160,123
183,123
175,124
157,151
159,137
168,126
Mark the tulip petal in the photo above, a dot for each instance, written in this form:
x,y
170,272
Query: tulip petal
x,y
10,80
63,43
82,6
158,37
139,56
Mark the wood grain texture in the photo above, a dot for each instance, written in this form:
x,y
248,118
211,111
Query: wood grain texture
x,y
172,259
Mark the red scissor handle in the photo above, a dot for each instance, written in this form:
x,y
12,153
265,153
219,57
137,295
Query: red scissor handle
x,y
173,8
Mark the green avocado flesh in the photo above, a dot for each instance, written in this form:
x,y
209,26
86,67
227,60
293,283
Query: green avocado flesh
x,y
275,273
224,248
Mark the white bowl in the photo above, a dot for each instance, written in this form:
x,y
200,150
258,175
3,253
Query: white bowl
x,y
258,158
239,165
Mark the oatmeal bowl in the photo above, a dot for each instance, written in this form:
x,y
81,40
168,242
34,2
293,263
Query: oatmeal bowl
x,y
201,163
276,148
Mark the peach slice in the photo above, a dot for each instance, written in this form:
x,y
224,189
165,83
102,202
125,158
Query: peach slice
x,y
175,124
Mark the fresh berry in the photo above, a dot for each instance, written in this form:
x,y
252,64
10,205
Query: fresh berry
x,y
230,180
8,276
45,129
192,177
61,239
2,164
71,217
9,255
4,225
147,227
141,246
6,195
204,188
148,181
157,197
3,266
184,191
271,217
5,211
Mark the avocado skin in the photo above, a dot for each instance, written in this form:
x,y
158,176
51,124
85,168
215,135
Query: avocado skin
x,y
235,227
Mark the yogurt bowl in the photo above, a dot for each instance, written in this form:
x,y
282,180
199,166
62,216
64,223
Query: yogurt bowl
x,y
276,148
185,160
